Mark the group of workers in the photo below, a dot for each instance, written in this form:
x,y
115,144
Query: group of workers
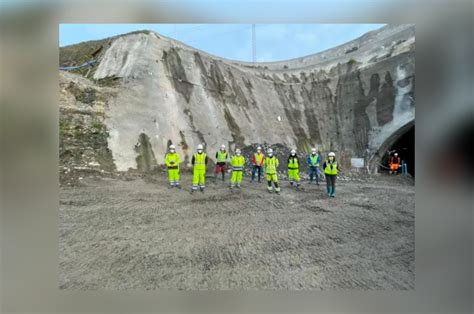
x,y
268,163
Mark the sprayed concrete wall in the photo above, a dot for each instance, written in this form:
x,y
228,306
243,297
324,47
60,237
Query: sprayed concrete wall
x,y
350,99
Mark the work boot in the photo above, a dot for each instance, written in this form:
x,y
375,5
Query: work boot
x,y
277,188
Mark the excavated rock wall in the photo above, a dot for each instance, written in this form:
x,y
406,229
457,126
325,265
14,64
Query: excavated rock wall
x,y
350,99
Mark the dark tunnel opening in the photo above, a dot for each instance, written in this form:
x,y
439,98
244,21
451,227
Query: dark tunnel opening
x,y
405,147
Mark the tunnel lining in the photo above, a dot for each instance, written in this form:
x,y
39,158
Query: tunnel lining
x,y
377,158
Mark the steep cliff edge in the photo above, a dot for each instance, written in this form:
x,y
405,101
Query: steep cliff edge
x,y
150,90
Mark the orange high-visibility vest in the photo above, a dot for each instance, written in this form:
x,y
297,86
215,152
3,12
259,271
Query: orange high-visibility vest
x,y
258,158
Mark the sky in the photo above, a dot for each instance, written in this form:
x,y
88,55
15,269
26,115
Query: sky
x,y
274,42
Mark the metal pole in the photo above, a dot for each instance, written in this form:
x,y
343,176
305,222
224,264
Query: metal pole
x,y
254,44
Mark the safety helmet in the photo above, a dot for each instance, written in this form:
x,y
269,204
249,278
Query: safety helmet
x,y
270,151
200,147
293,151
313,150
331,154
396,154
259,148
237,151
222,146
172,147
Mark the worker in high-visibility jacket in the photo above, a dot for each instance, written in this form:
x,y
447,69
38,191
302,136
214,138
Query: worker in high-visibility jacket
x,y
294,169
221,161
172,162
199,162
258,161
394,163
237,163
313,161
271,167
331,168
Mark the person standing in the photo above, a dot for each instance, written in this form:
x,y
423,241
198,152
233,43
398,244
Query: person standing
x,y
237,163
394,163
172,162
199,162
330,170
313,164
271,167
293,169
221,161
258,161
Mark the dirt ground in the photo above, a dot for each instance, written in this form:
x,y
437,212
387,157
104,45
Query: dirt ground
x,y
138,234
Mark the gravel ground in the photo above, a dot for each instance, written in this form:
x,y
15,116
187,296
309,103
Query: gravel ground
x,y
137,234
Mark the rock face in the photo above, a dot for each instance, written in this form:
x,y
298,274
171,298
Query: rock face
x,y
83,136
354,99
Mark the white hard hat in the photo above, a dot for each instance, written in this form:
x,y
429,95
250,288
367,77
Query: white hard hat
x,y
259,148
270,150
172,146
222,146
293,151
313,150
331,154
396,154
200,147
237,151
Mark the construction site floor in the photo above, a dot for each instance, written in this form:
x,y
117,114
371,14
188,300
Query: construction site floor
x,y
138,234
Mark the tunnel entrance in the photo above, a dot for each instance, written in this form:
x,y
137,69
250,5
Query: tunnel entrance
x,y
405,147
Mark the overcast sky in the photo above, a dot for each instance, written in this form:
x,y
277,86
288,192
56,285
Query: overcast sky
x,y
233,41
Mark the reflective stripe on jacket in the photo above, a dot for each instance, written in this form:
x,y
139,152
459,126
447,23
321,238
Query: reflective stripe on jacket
x,y
237,163
199,161
271,164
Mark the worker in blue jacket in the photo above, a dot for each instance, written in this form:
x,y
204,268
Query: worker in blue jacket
x,y
314,161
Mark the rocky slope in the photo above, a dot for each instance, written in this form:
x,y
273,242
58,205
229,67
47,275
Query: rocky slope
x,y
148,91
